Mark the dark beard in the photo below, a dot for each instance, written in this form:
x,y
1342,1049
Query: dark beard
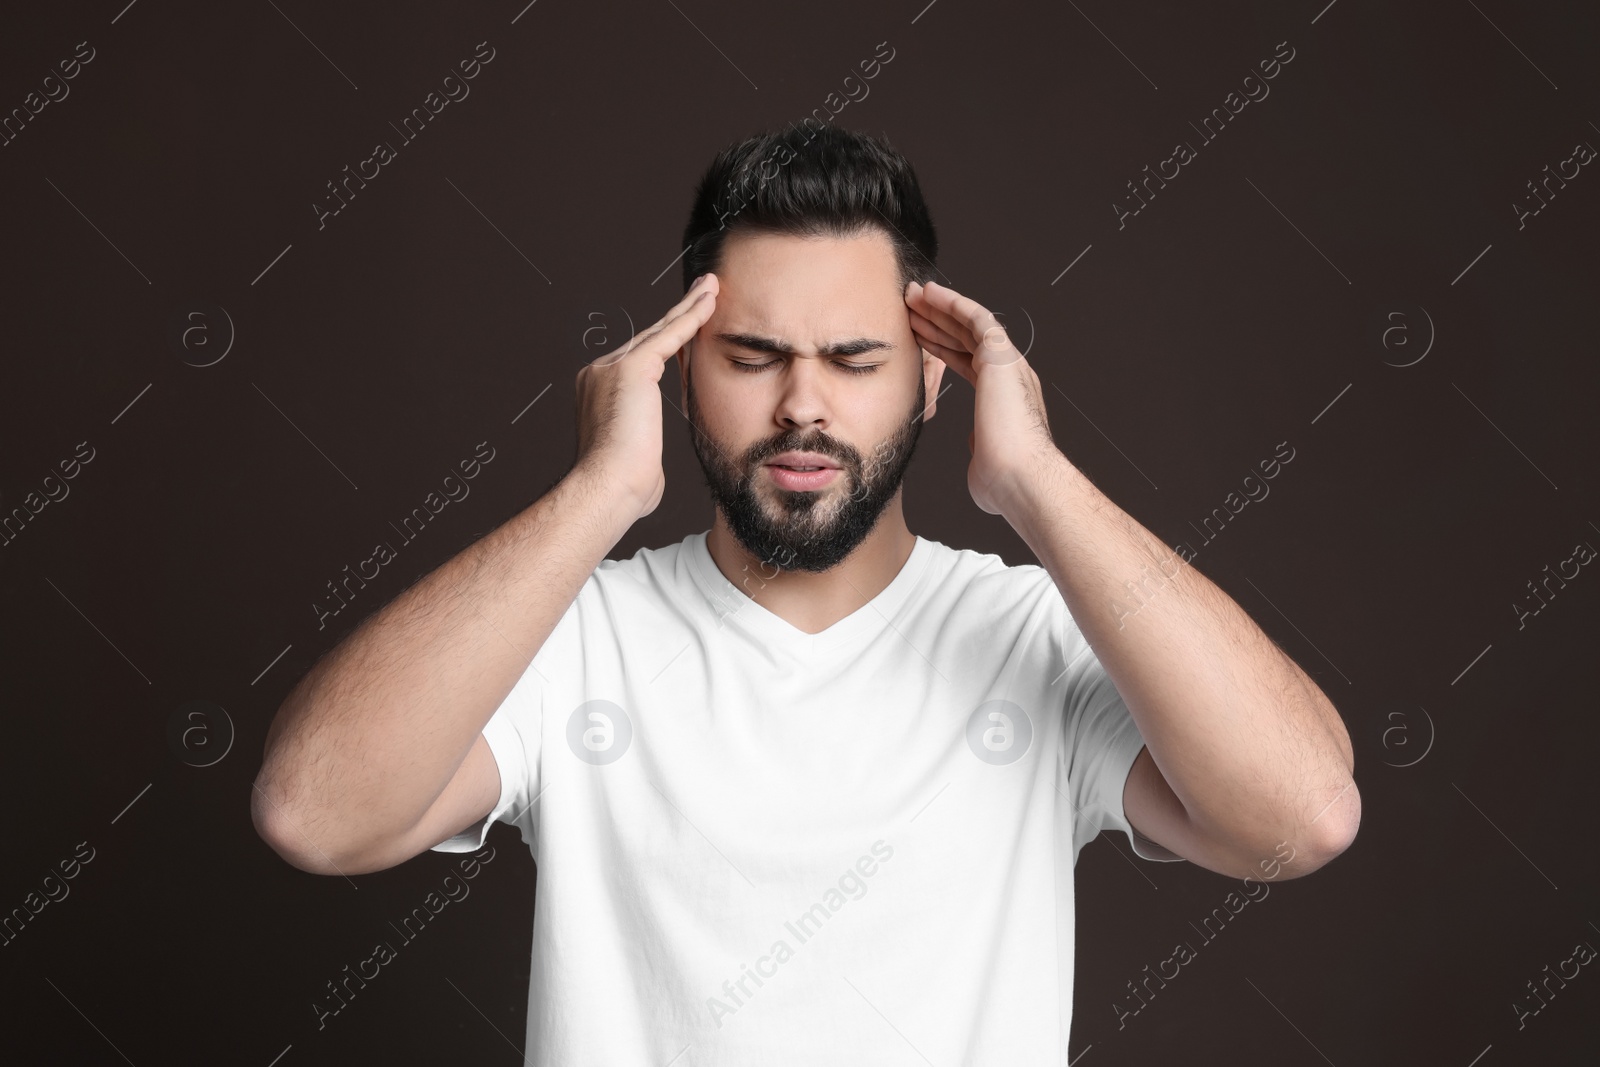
x,y
801,539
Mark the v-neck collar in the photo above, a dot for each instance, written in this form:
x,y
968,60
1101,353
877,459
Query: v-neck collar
x,y
737,608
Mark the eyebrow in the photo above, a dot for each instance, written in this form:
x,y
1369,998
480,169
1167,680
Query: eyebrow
x,y
855,346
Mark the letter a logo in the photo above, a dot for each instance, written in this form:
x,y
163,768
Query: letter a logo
x,y
599,732
999,732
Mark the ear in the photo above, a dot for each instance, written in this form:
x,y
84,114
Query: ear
x,y
933,369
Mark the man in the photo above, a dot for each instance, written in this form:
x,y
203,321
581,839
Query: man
x,y
806,787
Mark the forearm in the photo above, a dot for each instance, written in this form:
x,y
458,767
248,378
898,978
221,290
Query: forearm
x,y
1248,743
371,736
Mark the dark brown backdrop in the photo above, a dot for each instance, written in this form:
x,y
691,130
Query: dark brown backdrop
x,y
1342,269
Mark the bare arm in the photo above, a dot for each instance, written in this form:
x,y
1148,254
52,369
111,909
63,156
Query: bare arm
x,y
1244,752
377,754
374,733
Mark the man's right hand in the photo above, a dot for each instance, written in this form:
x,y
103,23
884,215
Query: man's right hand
x,y
619,402
378,752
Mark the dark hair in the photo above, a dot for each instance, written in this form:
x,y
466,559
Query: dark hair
x,y
810,182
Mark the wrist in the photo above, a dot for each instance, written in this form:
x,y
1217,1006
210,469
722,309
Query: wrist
x,y
604,497
1046,483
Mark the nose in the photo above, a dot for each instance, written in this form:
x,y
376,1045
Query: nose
x,y
802,400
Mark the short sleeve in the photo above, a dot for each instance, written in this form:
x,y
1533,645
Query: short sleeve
x,y
513,736
1099,742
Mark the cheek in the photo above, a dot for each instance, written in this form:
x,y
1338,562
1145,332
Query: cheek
x,y
735,415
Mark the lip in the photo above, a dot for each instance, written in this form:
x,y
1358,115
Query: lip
x,y
802,459
801,481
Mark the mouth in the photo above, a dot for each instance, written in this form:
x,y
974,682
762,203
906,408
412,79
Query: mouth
x,y
799,460
800,477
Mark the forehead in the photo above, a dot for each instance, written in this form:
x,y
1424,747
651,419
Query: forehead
x,y
809,289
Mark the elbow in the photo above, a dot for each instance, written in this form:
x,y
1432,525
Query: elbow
x,y
304,843
283,834
277,822
1332,832
1342,818
272,825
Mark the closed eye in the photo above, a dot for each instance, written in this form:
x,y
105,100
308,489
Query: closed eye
x,y
852,368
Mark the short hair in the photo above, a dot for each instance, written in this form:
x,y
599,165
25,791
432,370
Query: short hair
x,y
811,180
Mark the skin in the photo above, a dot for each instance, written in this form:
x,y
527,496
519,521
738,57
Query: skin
x,y
378,752
1246,760
809,557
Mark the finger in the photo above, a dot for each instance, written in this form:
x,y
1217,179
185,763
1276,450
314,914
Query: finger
x,y
959,359
933,331
939,342
964,309
991,341
943,318
932,340
951,309
672,330
706,283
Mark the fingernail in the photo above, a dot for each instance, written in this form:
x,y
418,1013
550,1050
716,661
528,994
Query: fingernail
x,y
697,281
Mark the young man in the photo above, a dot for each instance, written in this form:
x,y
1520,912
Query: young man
x,y
806,787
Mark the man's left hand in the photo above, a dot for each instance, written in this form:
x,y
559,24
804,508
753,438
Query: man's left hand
x,y
1010,440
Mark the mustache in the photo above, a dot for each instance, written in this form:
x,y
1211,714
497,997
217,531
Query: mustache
x,y
845,457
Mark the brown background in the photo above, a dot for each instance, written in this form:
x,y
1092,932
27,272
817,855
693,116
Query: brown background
x,y
1245,306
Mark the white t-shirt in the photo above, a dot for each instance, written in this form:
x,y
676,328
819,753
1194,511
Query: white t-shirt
x,y
758,845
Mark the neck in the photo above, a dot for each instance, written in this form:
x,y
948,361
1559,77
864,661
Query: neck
x,y
813,602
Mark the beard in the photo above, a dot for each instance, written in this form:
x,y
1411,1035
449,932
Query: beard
x,y
807,530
